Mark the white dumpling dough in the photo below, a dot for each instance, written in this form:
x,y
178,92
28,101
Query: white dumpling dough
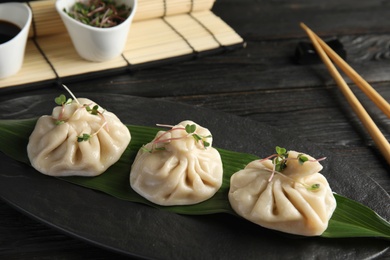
x,y
283,204
184,173
53,148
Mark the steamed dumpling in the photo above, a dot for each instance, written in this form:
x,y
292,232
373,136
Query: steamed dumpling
x,y
176,169
55,147
287,202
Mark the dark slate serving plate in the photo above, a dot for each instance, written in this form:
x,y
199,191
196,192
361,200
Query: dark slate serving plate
x,y
142,231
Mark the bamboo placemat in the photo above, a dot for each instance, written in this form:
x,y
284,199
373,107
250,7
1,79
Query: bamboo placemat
x,y
162,32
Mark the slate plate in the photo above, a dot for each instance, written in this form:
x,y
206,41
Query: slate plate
x,y
141,231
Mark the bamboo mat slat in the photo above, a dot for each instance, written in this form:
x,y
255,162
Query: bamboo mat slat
x,y
34,69
164,31
193,31
65,60
44,11
154,40
46,19
223,33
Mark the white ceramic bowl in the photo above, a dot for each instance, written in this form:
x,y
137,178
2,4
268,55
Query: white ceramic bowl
x,y
12,51
92,43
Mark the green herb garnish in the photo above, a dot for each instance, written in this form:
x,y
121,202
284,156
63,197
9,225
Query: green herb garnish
x,y
279,161
94,110
302,159
99,13
83,137
190,130
314,187
61,100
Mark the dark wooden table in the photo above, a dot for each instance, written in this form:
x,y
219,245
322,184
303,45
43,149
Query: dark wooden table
x,y
260,82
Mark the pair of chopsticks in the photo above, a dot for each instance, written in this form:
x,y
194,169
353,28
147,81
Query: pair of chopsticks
x,y
327,54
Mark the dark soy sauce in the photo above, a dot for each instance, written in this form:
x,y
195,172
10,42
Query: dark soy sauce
x,y
8,31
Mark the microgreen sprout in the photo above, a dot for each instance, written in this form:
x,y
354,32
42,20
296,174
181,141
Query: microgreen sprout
x,y
302,159
93,110
280,159
313,187
99,13
85,137
189,129
61,100
70,93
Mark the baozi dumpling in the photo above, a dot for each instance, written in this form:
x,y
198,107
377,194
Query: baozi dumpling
x,y
179,167
79,138
297,201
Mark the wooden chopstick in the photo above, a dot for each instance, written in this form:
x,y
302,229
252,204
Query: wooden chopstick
x,y
356,78
379,139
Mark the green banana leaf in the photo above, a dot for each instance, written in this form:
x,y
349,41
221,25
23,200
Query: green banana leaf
x,y
350,219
